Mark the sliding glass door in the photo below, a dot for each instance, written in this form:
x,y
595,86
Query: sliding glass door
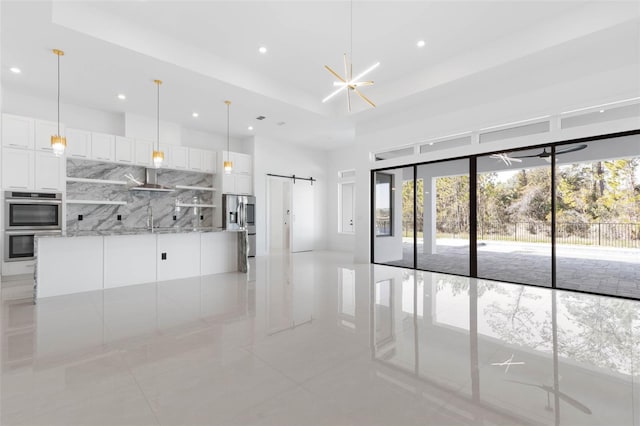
x,y
442,220
598,217
514,216
564,216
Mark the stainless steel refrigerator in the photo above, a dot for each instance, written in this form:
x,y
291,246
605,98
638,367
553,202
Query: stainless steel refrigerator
x,y
239,213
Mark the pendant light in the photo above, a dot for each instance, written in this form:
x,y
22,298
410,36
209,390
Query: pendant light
x,y
157,156
228,165
58,142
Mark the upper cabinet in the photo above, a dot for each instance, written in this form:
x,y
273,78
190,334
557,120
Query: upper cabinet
x,y
179,157
32,170
49,172
125,150
18,132
142,153
241,163
196,159
17,169
44,130
78,143
103,146
209,160
30,134
239,181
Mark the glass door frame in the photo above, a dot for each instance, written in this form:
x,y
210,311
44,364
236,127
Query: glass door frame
x,y
473,203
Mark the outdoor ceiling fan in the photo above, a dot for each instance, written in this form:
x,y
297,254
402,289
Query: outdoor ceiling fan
x,y
504,157
547,154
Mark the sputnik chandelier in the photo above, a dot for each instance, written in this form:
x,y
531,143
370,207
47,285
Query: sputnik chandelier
x,y
349,83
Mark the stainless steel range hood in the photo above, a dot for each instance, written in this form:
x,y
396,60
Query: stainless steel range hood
x,y
151,183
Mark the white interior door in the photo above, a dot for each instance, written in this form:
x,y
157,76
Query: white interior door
x,y
279,214
347,207
302,219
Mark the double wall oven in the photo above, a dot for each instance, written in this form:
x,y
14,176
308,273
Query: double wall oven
x,y
26,215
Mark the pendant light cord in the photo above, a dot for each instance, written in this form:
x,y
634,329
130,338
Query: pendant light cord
x,y
58,94
228,104
158,118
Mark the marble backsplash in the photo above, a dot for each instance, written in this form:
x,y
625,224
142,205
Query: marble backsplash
x,y
136,213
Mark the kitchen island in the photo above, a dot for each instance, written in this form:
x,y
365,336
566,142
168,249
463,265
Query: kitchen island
x,y
79,261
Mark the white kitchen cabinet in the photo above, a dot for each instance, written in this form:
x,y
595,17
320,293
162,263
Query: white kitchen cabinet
x,y
44,130
17,168
129,260
166,149
78,143
179,157
216,261
209,159
178,256
49,172
228,184
243,184
239,181
237,184
124,150
142,153
241,163
196,159
103,146
18,132
69,265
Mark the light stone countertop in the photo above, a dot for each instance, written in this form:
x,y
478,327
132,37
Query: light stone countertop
x,y
134,231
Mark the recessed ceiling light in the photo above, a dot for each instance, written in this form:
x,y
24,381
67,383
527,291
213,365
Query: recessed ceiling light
x,y
421,43
122,96
195,115
250,128
15,70
262,50
601,110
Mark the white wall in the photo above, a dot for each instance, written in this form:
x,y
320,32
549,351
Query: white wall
x,y
339,160
271,156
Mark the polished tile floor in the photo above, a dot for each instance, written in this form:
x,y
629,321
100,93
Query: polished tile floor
x,y
313,339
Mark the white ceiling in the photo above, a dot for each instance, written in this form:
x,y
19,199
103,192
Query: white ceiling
x,y
206,52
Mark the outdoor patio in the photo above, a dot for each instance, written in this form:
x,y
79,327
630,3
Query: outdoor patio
x,y
605,270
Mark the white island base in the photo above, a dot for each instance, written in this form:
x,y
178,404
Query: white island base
x,y
74,264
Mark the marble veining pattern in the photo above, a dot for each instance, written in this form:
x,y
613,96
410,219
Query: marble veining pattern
x,y
136,213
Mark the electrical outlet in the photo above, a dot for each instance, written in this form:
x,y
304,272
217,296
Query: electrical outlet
x,y
80,217
163,256
201,217
119,217
175,217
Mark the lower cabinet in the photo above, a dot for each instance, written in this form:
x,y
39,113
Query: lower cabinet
x,y
178,256
218,252
129,259
69,265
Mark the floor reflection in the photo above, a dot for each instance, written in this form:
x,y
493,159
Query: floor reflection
x,y
312,339
526,354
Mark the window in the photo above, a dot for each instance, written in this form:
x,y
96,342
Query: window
x,y
384,201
